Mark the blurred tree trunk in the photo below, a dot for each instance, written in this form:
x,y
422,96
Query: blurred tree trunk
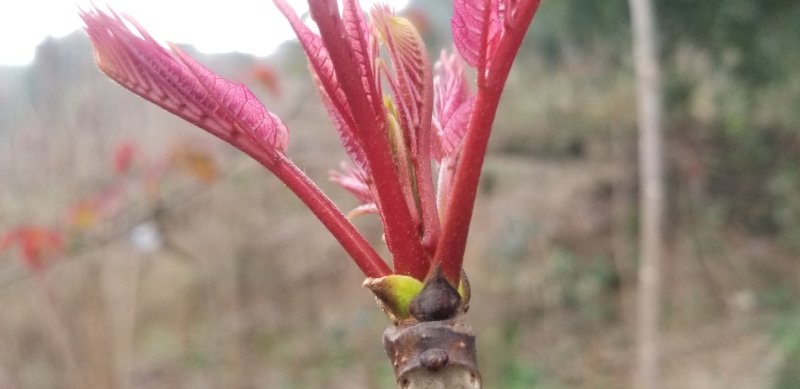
x,y
648,83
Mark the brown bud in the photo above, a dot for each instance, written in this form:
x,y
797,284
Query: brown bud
x,y
438,300
433,359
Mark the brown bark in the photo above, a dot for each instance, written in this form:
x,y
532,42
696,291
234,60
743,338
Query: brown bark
x,y
434,348
433,354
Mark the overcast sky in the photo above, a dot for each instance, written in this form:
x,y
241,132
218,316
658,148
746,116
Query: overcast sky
x,y
249,26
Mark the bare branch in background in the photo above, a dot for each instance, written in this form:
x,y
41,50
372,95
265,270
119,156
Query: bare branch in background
x,y
648,83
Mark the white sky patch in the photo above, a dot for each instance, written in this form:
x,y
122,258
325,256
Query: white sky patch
x,y
247,26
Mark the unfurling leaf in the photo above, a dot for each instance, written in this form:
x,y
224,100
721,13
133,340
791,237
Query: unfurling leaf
x,y
411,81
343,127
353,181
450,136
410,66
450,113
396,293
369,128
320,63
333,96
362,44
476,25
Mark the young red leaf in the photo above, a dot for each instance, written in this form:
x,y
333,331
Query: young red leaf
x,y
455,127
402,234
230,111
413,85
451,108
450,142
500,26
239,107
479,26
354,181
344,128
182,86
332,95
362,44
476,25
320,62
412,73
363,209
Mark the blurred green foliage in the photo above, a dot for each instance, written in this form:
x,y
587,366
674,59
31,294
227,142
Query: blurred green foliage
x,y
732,90
787,334
754,41
732,94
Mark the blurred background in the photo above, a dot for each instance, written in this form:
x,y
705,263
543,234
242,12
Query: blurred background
x,y
139,252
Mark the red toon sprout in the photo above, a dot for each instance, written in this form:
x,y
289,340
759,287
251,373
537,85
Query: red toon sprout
x,y
397,115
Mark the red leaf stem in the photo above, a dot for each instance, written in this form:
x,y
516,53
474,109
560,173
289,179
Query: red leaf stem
x,y
227,110
362,253
452,241
401,234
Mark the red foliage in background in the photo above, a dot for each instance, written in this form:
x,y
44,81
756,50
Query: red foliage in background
x,y
266,76
37,244
123,157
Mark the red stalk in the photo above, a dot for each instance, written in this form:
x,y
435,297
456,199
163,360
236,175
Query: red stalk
x,y
507,50
353,242
324,209
413,89
401,234
453,238
483,60
423,169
